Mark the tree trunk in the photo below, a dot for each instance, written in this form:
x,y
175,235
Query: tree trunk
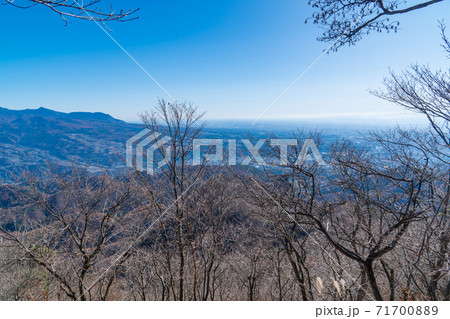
x,y
368,265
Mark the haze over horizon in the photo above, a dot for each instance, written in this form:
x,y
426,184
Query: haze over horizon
x,y
231,59
357,122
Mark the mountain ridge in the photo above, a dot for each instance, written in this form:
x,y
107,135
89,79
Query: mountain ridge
x,y
31,137
6,114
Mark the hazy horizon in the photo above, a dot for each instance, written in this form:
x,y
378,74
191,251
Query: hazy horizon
x,y
404,118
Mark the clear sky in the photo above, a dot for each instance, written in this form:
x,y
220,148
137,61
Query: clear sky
x,y
232,58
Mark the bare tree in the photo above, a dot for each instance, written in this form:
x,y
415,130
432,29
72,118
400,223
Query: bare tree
x,y
293,184
446,41
77,9
19,279
361,205
181,124
211,237
426,92
70,227
346,22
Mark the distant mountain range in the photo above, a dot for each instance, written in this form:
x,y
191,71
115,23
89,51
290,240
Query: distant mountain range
x,y
29,138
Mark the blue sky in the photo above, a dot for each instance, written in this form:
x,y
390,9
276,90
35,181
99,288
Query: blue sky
x,y
231,58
